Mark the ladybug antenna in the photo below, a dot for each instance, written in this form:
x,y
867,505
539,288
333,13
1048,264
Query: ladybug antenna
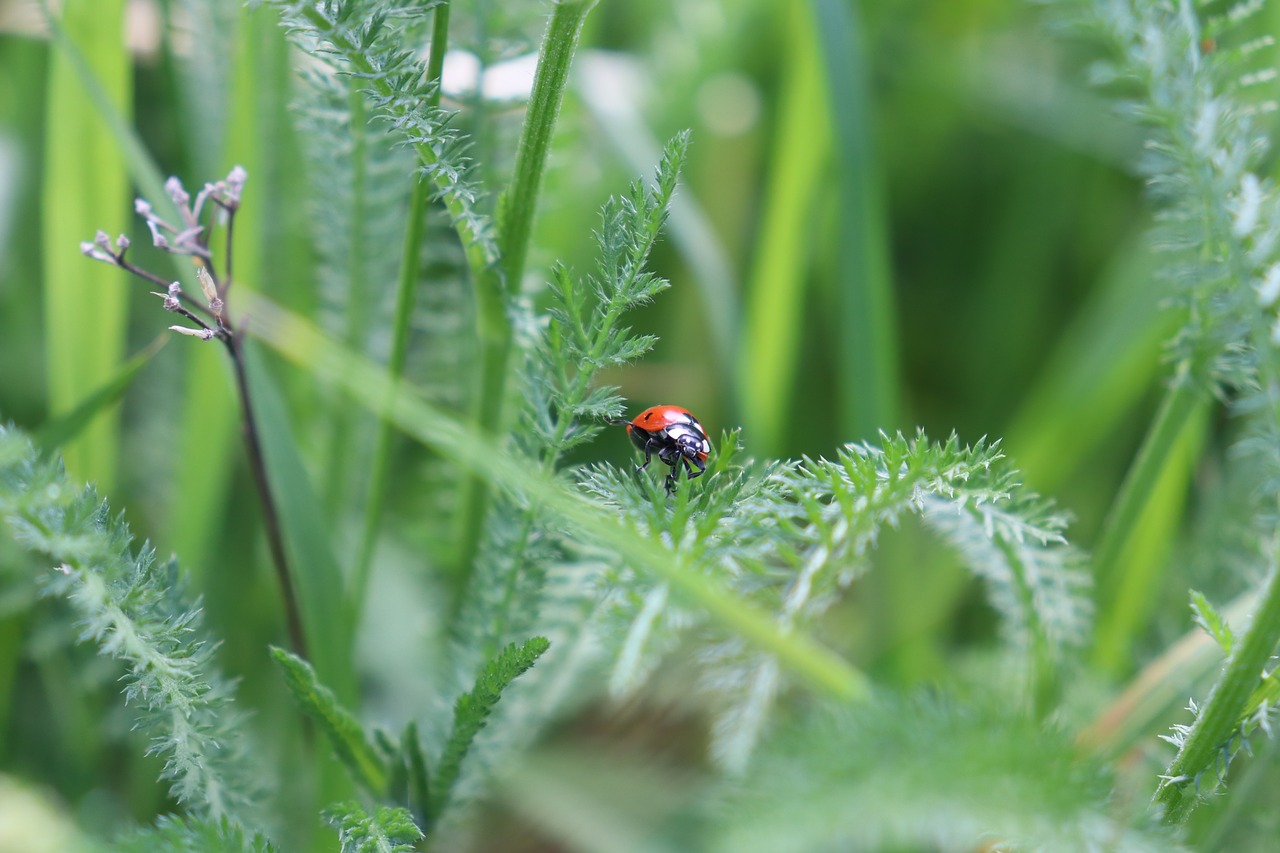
x,y
619,421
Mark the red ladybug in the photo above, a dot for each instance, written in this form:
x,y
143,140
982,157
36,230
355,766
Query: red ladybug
x,y
675,435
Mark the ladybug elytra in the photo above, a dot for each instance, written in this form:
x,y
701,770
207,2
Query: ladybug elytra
x,y
675,435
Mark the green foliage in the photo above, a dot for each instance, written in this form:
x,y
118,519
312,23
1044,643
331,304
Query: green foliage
x,y
312,561
387,830
1213,623
137,611
564,407
344,732
584,332
765,613
364,39
184,835
793,535
472,712
55,433
1219,225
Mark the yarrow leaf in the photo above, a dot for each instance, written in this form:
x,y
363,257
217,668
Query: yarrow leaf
x,y
137,611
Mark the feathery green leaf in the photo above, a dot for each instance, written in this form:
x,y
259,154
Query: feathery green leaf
x,y
172,834
1209,619
387,830
344,731
472,712
137,611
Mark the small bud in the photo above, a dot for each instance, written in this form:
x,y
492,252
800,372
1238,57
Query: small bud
x,y
174,188
91,250
171,300
157,239
123,242
236,179
170,304
202,334
142,207
207,286
102,240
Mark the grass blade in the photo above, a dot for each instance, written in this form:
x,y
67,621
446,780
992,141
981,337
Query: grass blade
x,y
775,291
59,431
868,357
84,188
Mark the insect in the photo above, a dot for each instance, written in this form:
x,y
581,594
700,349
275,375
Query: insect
x,y
675,435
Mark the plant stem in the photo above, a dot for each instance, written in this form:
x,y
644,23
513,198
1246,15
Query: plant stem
x,y
516,209
1180,403
1220,716
410,265
520,201
270,516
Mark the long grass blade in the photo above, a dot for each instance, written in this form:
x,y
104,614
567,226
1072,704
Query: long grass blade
x,y
776,286
59,431
84,187
868,358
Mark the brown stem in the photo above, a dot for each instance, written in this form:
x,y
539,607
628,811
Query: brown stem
x,y
275,537
146,275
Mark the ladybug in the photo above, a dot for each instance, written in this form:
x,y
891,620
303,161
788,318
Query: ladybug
x,y
675,435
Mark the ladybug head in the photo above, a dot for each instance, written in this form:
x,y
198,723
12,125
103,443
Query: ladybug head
x,y
689,444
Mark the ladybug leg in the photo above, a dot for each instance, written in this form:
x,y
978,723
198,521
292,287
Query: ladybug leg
x,y
691,462
648,455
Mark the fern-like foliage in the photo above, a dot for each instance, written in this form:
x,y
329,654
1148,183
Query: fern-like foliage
x,y
356,209
1196,91
183,835
1258,714
1191,76
472,712
526,582
387,830
562,406
792,535
136,610
365,39
343,730
584,331
925,774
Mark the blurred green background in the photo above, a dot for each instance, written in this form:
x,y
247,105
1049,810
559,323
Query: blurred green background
x,y
896,214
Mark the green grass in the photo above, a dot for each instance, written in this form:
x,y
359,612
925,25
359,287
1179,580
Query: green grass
x,y
917,268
